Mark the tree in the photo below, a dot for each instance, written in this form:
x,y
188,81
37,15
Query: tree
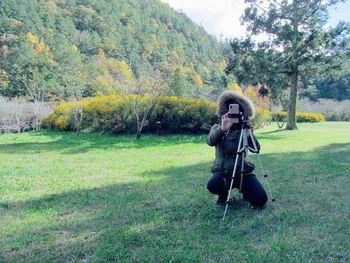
x,y
110,75
147,89
298,45
4,81
179,83
32,71
72,78
71,73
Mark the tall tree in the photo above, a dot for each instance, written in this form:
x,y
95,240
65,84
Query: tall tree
x,y
178,84
147,90
298,45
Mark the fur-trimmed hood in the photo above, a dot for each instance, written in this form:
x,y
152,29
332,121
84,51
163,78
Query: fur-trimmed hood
x,y
231,97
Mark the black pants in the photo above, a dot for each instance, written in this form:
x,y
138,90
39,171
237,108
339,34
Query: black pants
x,y
252,190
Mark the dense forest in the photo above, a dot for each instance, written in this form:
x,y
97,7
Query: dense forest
x,y
56,49
337,88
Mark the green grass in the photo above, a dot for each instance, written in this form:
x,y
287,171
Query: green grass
x,y
95,198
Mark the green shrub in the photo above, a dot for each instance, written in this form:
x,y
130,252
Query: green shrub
x,y
302,116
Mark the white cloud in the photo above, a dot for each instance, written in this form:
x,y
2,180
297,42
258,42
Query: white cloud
x,y
222,17
218,17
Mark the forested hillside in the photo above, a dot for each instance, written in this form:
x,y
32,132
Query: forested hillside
x,y
56,49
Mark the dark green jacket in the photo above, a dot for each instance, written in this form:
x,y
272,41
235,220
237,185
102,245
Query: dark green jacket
x,y
226,144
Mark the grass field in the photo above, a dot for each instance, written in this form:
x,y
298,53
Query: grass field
x,y
95,198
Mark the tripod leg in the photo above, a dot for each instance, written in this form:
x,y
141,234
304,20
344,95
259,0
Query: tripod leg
x,y
265,177
231,184
255,150
242,170
244,154
233,174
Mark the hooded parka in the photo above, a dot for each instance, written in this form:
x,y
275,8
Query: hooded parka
x,y
226,143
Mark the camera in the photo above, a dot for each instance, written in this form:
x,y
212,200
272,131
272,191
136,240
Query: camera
x,y
234,113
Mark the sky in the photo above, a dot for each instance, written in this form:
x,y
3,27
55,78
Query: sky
x,y
221,17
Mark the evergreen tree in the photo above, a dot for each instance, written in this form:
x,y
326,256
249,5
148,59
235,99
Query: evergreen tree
x,y
298,45
179,83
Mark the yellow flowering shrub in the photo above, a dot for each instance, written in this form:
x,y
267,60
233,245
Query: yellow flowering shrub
x,y
113,114
184,115
61,118
262,116
302,116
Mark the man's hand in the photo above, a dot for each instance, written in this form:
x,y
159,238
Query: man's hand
x,y
226,122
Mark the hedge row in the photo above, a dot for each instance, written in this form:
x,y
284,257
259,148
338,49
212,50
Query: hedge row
x,y
113,114
302,116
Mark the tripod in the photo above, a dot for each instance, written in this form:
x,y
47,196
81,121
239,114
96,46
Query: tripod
x,y
242,150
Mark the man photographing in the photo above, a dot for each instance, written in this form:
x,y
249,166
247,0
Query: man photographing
x,y
226,139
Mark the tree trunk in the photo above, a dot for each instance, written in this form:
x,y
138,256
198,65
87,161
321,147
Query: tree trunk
x,y
138,130
139,127
291,119
138,134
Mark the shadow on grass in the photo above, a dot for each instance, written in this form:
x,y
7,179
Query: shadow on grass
x,y
112,221
274,131
70,143
171,215
273,135
79,220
